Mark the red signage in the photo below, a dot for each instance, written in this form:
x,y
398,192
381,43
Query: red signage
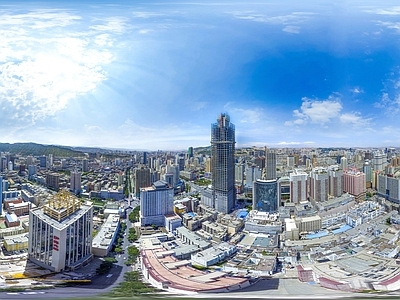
x,y
55,242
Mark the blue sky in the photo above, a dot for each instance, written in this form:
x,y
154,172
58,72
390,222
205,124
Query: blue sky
x,y
155,74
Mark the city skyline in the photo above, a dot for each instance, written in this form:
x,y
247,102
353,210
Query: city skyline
x,y
153,75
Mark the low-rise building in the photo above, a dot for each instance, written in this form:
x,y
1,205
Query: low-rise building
x,y
213,255
103,241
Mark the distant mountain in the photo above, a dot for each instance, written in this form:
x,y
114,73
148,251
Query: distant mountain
x,y
38,149
203,150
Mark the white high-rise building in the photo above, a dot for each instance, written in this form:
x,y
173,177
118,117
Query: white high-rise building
x,y
252,174
298,186
239,173
379,161
343,163
60,233
290,161
174,170
156,202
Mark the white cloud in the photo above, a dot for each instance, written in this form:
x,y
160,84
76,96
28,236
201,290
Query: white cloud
x,y
291,29
295,143
197,105
390,25
293,18
317,111
354,119
357,90
392,11
145,31
290,21
145,14
41,70
390,105
112,24
322,112
245,115
40,19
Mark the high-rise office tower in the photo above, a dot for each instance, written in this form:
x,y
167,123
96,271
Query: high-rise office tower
x,y
43,162
144,158
3,164
60,233
270,165
75,182
181,163
156,202
223,164
141,179
265,195
85,165
190,152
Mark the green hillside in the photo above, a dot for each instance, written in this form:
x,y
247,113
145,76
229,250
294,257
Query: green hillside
x,y
38,149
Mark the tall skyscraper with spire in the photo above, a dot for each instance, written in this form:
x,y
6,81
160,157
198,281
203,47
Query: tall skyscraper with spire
x,y
223,164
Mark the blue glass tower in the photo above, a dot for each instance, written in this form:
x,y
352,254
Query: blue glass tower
x,y
223,164
265,195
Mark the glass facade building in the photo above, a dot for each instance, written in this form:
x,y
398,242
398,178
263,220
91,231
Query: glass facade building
x,y
265,195
223,164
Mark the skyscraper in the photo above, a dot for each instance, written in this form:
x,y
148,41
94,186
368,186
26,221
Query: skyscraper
x,y
60,233
335,181
270,165
141,179
319,184
298,186
75,182
190,152
156,202
265,195
85,165
354,183
223,164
